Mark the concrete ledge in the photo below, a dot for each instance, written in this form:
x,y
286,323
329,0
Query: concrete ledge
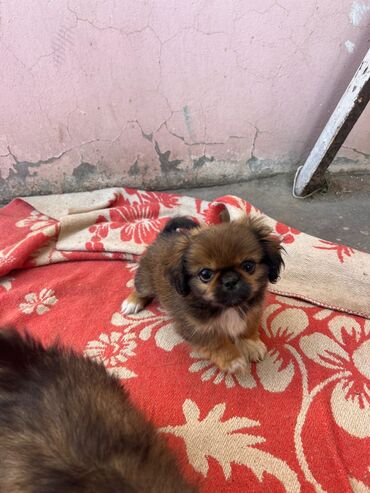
x,y
87,176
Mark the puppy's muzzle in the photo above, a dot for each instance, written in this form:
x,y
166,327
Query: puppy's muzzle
x,y
232,289
230,281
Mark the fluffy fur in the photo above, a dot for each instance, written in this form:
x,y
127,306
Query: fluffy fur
x,y
212,280
67,426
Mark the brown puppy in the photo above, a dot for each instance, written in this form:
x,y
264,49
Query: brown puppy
x,y
212,280
66,426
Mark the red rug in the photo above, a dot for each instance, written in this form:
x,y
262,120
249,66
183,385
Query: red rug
x,y
299,421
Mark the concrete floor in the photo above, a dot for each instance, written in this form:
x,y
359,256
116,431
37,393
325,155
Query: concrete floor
x,y
341,214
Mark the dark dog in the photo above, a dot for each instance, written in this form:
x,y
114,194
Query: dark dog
x,y
66,426
212,280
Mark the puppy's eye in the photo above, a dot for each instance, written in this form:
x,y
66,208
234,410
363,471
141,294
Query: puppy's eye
x,y
249,266
205,275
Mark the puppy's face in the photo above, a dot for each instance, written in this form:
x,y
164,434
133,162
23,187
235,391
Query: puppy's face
x,y
229,264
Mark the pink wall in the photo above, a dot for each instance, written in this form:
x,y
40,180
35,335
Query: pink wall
x,y
167,92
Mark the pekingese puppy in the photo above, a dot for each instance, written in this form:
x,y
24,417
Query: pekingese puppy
x,y
212,280
67,426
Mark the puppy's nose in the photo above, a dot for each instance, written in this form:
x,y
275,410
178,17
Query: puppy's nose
x,y
230,280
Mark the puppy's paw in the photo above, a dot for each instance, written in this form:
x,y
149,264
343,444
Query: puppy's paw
x,y
133,304
228,360
254,350
237,365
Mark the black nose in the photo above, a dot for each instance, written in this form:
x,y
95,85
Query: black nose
x,y
230,280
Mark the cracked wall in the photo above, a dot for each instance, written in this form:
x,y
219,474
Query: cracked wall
x,y
171,93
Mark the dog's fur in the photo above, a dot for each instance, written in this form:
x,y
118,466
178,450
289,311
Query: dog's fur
x,y
66,426
221,323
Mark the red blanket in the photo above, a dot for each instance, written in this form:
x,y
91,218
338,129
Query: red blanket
x,y
299,421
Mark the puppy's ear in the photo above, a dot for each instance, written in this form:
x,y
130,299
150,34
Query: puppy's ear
x,y
179,223
179,279
177,273
271,246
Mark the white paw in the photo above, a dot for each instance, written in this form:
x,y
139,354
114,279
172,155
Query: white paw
x,y
253,350
237,365
128,307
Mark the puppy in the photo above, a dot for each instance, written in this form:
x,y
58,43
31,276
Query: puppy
x,y
66,426
212,280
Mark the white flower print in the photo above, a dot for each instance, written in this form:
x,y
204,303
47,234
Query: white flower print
x,y
148,321
37,224
6,282
210,372
276,371
358,486
35,221
47,254
113,350
132,268
347,352
39,303
166,337
224,442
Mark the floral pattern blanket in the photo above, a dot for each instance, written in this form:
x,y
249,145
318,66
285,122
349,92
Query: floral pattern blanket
x,y
298,421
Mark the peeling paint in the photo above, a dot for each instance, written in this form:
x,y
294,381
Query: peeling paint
x,y
22,168
358,10
84,170
252,163
350,46
134,169
198,163
147,136
260,167
164,159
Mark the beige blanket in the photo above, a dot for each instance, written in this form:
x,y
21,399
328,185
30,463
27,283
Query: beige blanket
x,y
119,220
